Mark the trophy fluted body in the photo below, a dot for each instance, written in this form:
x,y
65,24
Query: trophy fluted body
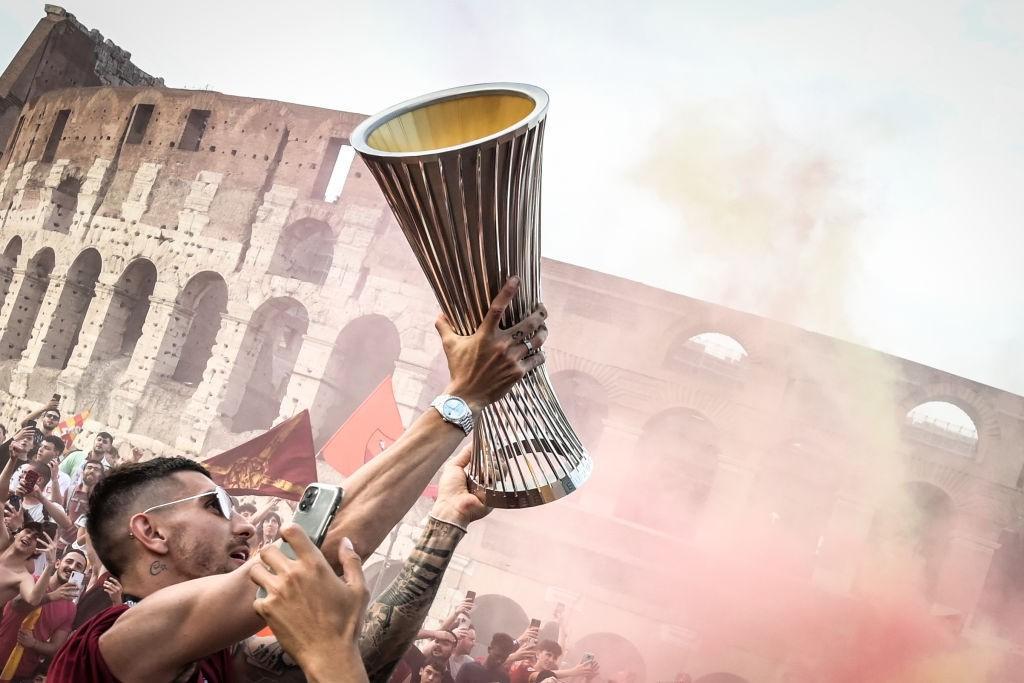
x,y
461,169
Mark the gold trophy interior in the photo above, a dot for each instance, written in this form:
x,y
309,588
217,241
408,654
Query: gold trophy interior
x,y
450,123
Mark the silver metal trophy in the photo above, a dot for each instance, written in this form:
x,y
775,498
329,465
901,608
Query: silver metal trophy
x,y
461,169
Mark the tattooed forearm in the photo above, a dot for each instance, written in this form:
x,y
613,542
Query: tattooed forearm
x,y
393,621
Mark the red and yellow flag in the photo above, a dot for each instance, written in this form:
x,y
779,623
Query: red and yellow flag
x,y
70,428
280,462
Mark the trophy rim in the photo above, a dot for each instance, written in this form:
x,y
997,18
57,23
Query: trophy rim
x,y
359,136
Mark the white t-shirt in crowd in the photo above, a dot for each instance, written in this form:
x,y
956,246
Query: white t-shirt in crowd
x,y
62,479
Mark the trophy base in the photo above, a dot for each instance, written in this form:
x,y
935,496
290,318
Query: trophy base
x,y
495,496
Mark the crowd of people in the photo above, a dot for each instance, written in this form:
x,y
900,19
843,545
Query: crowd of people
x,y
123,568
443,655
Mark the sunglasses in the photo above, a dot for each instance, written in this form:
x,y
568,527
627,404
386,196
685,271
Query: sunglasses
x,y
223,502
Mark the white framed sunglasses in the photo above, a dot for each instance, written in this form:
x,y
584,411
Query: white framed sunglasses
x,y
223,502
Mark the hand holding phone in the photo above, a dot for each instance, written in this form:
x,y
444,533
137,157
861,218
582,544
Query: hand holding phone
x,y
77,578
317,507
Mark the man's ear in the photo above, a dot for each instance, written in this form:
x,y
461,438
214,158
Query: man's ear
x,y
148,534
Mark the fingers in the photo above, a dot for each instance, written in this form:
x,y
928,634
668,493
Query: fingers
x,y
500,303
299,541
444,327
272,556
532,362
462,458
528,326
351,565
263,578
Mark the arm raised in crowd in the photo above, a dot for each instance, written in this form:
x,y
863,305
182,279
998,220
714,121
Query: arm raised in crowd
x,y
218,609
394,620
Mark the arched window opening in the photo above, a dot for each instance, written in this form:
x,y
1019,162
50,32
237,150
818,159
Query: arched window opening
x,y
711,352
911,534
678,449
794,493
64,202
305,251
364,354
33,288
585,402
133,290
205,300
944,425
72,306
620,659
8,261
271,347
496,613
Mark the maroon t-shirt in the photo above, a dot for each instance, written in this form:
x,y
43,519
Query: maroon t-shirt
x,y
80,659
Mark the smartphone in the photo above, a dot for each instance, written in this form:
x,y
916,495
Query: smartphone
x,y
534,623
55,397
587,657
77,579
30,478
317,507
471,595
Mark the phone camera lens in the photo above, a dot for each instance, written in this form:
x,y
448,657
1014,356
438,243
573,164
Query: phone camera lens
x,y
303,506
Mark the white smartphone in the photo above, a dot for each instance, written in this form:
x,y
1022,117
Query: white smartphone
x,y
316,510
77,579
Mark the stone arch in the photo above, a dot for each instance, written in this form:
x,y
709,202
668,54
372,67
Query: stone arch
x,y
8,262
122,327
304,251
76,295
585,402
619,657
912,532
364,353
33,288
379,575
496,613
794,491
707,350
205,299
721,677
967,399
679,449
268,353
943,424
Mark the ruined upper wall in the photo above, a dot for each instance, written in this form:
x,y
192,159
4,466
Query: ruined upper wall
x,y
250,144
59,53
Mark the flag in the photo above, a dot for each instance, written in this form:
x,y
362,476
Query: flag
x,y
371,428
70,428
279,462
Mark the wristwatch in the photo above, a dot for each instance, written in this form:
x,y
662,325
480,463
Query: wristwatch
x,y
454,410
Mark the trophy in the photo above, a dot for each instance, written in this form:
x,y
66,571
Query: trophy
x,y
461,170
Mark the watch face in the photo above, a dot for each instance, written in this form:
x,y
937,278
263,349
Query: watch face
x,y
454,408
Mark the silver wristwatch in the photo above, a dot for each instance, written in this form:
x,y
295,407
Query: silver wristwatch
x,y
454,410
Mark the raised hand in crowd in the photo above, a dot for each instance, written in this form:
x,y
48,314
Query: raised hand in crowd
x,y
321,641
459,616
527,650
66,591
112,587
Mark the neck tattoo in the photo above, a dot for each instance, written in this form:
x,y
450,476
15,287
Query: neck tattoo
x,y
157,567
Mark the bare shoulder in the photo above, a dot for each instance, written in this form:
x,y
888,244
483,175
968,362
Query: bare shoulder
x,y
261,658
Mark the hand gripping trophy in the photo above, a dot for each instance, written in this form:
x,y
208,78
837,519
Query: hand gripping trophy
x,y
461,169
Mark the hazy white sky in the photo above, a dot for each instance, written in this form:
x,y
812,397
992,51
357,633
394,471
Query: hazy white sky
x,y
853,167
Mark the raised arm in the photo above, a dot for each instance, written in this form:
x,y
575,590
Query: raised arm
x,y
394,620
32,591
36,414
483,368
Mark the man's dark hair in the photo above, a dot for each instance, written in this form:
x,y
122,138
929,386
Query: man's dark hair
x,y
58,443
504,641
72,549
436,663
545,675
107,435
34,527
116,493
550,646
245,507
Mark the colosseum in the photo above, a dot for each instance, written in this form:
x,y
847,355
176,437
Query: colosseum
x,y
193,267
